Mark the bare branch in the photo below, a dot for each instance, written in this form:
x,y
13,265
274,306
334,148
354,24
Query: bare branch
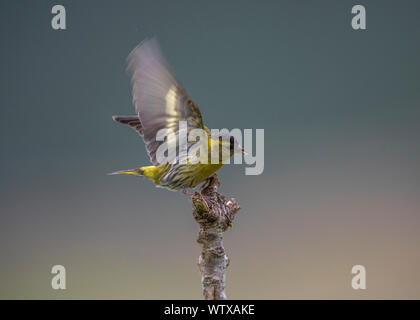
x,y
214,215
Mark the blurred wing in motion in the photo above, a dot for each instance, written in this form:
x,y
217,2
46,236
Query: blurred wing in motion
x,y
160,100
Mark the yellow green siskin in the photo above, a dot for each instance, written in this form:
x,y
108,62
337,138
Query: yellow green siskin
x,y
161,102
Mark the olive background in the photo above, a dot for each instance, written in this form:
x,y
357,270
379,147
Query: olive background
x,y
340,109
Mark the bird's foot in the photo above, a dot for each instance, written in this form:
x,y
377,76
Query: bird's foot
x,y
208,191
212,181
205,184
185,191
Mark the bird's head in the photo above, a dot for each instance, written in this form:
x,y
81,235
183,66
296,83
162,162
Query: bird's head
x,y
230,143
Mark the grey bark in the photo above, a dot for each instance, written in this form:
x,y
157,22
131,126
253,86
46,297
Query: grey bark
x,y
215,215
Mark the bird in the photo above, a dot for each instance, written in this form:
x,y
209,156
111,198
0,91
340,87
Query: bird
x,y
161,102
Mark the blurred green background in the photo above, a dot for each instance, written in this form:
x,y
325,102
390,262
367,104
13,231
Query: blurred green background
x,y
340,109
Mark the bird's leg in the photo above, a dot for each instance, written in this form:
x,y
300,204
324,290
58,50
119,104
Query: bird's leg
x,y
213,181
208,189
185,191
206,183
204,187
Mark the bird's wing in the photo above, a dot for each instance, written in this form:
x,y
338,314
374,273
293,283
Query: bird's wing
x,y
160,100
132,121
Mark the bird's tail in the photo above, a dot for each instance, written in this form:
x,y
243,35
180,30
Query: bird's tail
x,y
149,171
134,172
